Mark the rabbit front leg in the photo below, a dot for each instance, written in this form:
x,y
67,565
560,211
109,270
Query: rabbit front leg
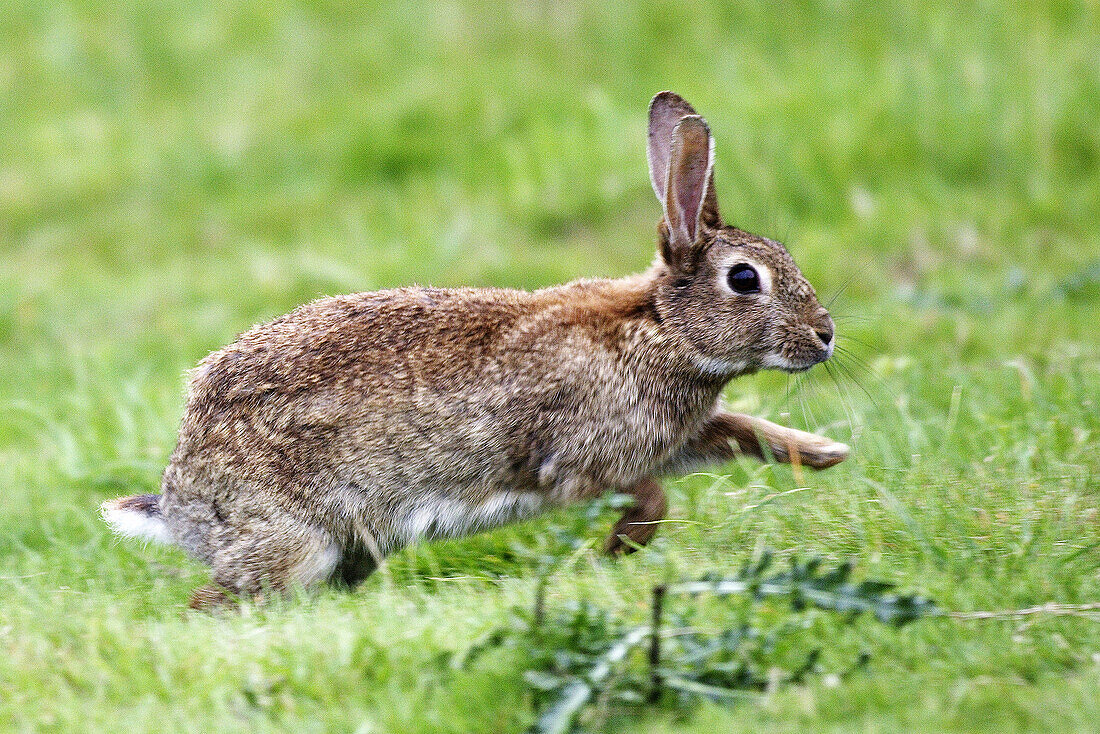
x,y
788,445
755,437
639,523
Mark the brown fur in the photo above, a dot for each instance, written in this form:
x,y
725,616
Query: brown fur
x,y
317,443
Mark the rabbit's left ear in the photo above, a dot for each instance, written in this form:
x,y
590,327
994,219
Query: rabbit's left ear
x,y
689,166
681,157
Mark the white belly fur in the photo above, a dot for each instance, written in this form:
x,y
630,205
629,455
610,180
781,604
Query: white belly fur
x,y
448,517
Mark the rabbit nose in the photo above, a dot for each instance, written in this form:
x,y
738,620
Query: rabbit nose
x,y
821,324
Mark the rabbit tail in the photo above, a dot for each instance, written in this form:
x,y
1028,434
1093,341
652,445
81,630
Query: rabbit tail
x,y
137,517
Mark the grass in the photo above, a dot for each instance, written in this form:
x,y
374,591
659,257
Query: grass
x,y
172,173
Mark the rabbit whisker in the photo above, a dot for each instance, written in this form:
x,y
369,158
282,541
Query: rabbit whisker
x,y
845,284
842,393
847,372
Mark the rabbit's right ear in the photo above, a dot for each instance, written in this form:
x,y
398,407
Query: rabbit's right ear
x,y
681,156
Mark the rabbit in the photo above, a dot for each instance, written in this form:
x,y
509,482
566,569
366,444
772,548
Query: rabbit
x,y
318,443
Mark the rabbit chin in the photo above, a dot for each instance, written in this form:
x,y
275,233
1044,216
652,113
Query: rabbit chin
x,y
779,362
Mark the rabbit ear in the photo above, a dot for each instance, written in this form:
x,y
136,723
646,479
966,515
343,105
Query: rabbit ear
x,y
690,160
665,112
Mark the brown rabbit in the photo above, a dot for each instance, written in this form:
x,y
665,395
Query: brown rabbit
x,y
318,443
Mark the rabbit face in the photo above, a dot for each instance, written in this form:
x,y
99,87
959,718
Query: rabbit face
x,y
746,306
737,300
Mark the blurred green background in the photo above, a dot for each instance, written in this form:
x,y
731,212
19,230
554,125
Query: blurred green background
x,y
172,173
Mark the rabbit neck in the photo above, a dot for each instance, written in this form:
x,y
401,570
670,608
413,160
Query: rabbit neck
x,y
625,316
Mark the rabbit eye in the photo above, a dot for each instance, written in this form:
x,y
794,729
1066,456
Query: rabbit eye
x,y
744,279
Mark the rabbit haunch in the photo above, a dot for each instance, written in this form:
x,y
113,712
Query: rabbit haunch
x,y
319,442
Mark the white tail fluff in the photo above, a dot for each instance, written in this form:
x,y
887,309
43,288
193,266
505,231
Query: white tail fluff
x,y
136,517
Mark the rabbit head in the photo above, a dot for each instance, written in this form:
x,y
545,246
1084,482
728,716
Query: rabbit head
x,y
737,300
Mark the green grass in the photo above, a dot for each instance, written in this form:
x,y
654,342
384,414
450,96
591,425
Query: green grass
x,y
171,174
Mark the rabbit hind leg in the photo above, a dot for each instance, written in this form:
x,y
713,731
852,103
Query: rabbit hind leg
x,y
640,521
268,554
